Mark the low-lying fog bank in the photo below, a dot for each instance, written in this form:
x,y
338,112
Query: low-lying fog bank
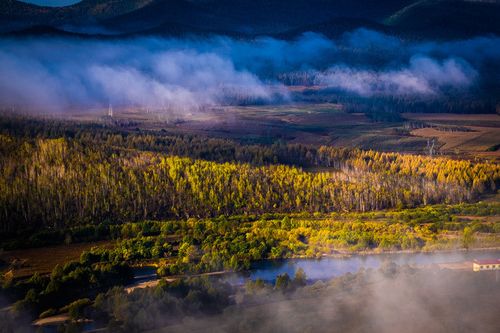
x,y
181,75
390,299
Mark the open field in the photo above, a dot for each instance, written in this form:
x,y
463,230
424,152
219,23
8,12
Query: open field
x,y
461,134
471,135
487,120
25,262
478,140
322,124
468,135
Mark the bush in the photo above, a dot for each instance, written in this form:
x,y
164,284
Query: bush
x,y
76,310
282,281
48,313
300,278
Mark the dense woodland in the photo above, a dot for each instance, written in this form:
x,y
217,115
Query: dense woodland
x,y
93,176
190,205
180,248
197,246
452,102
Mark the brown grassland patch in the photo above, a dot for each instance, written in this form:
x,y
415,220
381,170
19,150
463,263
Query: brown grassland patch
x,y
25,262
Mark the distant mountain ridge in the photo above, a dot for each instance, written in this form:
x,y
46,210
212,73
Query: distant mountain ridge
x,y
20,14
424,18
448,17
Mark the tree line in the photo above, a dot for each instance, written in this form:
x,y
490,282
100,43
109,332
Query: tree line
x,y
57,174
64,182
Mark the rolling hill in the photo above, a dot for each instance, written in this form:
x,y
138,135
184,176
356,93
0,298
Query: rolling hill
x,y
164,16
16,15
415,19
448,18
248,16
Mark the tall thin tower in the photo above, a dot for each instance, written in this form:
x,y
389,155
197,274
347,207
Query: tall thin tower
x,y
110,111
430,146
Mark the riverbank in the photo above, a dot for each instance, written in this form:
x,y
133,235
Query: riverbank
x,y
154,280
328,267
343,254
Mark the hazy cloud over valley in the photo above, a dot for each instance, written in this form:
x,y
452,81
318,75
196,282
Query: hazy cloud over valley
x,y
186,74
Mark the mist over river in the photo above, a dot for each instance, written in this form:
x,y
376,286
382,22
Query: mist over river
x,y
329,267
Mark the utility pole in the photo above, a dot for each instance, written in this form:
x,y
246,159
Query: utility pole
x,y
430,146
110,111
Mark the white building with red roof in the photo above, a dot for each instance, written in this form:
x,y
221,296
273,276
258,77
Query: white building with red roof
x,y
485,265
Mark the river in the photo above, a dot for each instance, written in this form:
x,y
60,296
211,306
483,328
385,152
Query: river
x,y
329,267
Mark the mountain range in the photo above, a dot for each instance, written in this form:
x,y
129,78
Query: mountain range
x,y
248,18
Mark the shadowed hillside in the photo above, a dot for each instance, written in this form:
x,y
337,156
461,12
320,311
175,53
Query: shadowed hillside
x,y
16,15
448,18
166,16
420,19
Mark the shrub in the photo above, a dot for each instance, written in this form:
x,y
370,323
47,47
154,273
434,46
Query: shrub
x,y
48,313
282,281
76,310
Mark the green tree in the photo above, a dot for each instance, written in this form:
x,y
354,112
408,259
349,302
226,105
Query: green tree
x,y
76,309
300,278
467,237
282,281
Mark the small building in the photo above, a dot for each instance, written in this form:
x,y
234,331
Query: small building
x,y
486,265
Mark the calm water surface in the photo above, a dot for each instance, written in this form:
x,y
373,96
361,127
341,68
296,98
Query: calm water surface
x,y
327,268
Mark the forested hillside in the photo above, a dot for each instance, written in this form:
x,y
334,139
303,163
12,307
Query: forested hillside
x,y
66,179
430,18
246,165
118,199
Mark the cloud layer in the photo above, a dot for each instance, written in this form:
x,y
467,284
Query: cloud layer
x,y
144,72
188,74
423,76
